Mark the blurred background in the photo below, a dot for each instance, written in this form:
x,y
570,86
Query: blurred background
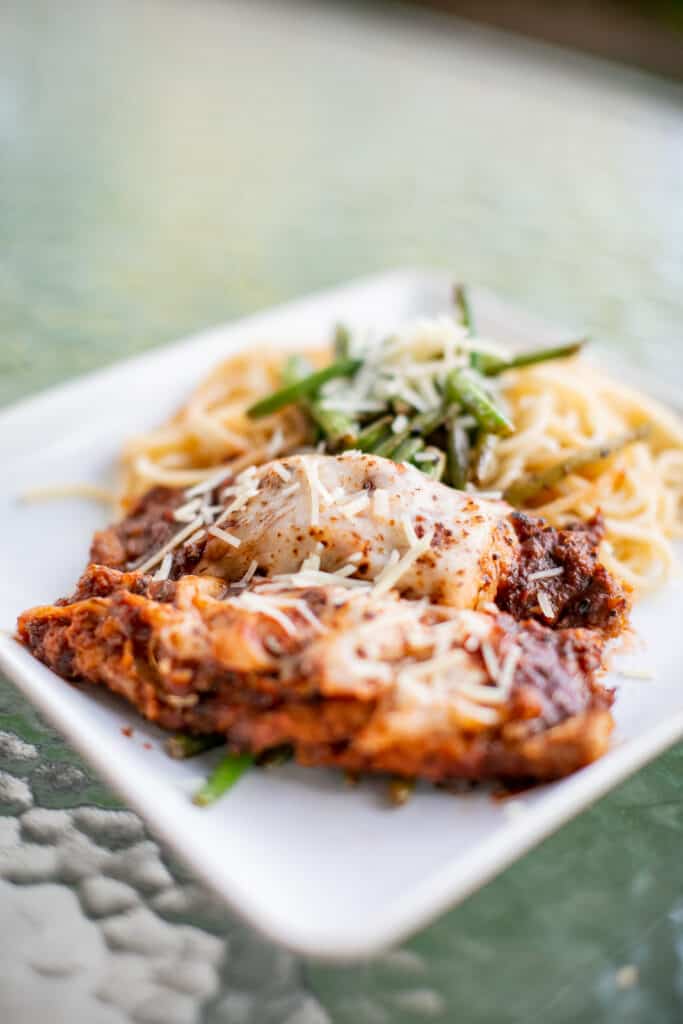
x,y
646,34
168,164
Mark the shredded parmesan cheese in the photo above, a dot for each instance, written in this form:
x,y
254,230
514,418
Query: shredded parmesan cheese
x,y
245,580
545,604
311,471
311,578
409,530
545,574
256,603
395,569
164,569
356,503
246,487
179,538
195,537
228,538
346,570
211,482
486,495
292,489
636,673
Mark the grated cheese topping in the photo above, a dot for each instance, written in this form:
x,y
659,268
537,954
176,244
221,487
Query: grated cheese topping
x,y
545,604
426,456
346,570
245,580
195,536
286,491
164,569
312,578
187,512
636,673
311,472
409,530
396,568
256,603
546,574
227,538
355,504
177,539
210,483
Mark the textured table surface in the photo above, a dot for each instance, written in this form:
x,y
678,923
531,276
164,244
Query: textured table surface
x,y
167,165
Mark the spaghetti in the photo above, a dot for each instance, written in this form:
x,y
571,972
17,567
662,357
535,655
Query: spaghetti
x,y
559,408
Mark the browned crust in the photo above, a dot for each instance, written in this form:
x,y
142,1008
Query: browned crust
x,y
223,677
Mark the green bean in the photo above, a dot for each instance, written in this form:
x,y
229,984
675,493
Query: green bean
x,y
222,778
296,368
457,464
374,434
491,365
303,388
424,424
463,388
462,301
336,427
407,448
527,487
183,745
400,791
342,342
388,447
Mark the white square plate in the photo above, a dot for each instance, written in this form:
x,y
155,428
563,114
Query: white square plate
x,y
322,868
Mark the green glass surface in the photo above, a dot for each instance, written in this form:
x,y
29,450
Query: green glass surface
x,y
168,165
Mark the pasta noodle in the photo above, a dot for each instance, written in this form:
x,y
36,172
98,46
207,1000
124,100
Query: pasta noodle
x,y
211,430
558,408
